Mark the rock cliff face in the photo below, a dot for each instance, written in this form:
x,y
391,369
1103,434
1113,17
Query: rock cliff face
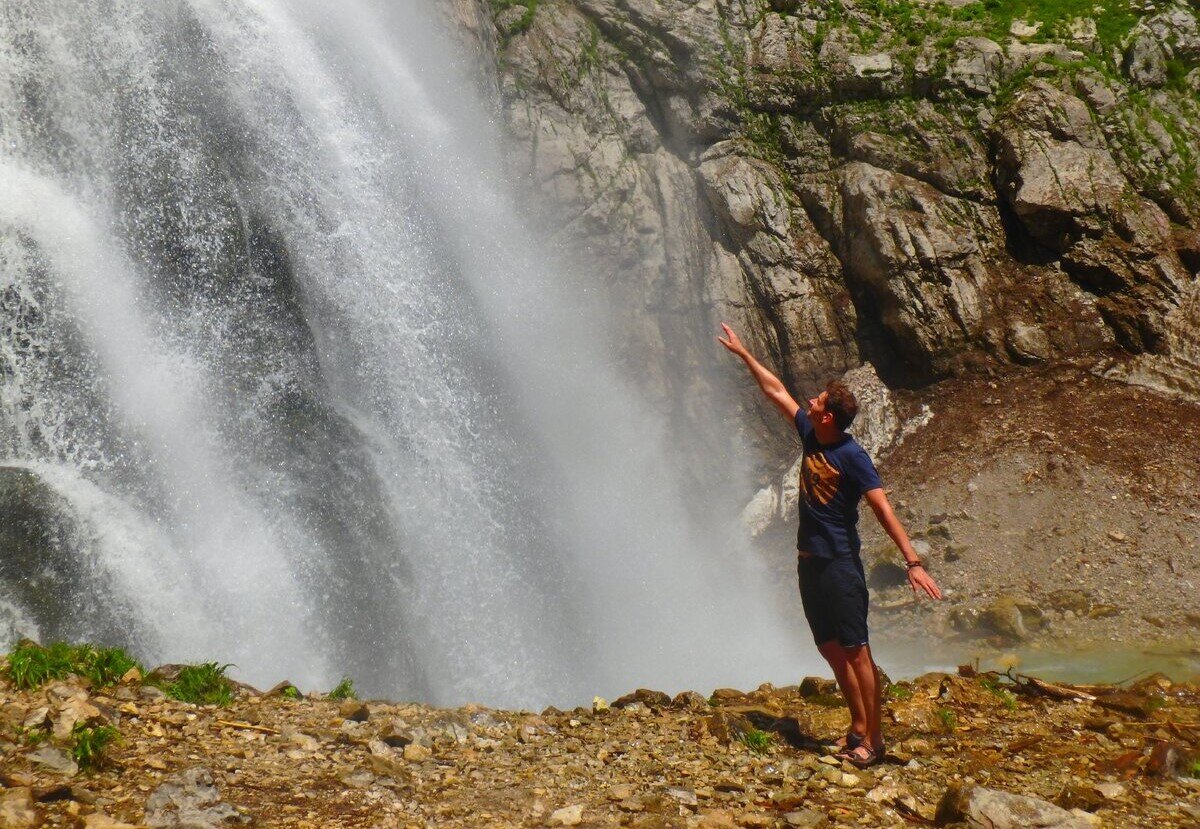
x,y
934,189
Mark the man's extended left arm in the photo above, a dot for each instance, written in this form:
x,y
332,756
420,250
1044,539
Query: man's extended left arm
x,y
918,578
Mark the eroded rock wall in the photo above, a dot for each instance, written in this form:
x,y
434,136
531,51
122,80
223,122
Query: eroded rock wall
x,y
933,189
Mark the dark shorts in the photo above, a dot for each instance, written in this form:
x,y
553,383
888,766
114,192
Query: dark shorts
x,y
834,593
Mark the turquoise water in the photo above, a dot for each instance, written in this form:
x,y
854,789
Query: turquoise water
x,y
1117,663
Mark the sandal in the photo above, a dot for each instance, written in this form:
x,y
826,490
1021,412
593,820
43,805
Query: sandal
x,y
861,756
847,742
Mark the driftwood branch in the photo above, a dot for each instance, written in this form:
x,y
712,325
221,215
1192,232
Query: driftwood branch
x,y
248,726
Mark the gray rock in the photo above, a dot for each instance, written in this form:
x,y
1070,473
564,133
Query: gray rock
x,y
1023,28
762,510
1173,34
975,66
866,66
1082,32
1146,60
982,808
189,800
55,759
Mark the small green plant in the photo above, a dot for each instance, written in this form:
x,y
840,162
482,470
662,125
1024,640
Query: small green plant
x,y
291,692
523,22
1193,768
31,736
31,666
203,684
898,692
1007,698
88,744
344,690
947,718
759,742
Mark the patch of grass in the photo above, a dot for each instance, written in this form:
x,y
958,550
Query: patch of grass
x,y
89,744
1193,769
1177,72
898,692
203,684
1007,698
343,690
31,736
995,17
947,718
759,742
523,22
31,666
291,692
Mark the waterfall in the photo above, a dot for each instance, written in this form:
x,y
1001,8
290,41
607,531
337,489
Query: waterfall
x,y
288,384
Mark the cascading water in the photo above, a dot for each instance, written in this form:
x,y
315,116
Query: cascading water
x,y
287,385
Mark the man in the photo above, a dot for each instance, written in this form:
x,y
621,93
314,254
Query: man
x,y
835,473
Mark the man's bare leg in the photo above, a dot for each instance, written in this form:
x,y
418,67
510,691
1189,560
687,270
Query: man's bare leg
x,y
847,680
862,667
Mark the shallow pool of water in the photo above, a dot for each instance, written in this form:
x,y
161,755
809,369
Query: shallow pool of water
x,y
1117,663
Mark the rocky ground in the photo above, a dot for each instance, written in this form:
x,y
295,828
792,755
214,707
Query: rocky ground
x,y
1059,511
1117,757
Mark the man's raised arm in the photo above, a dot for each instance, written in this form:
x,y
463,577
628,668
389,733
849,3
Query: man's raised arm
x,y
768,382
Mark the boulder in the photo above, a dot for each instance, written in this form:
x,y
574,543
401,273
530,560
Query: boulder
x,y
727,727
689,700
981,808
1011,618
647,697
975,66
817,686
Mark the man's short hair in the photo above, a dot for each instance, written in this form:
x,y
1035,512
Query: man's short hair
x,y
841,403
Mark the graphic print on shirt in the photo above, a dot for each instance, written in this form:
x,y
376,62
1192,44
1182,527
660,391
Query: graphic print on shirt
x,y
820,479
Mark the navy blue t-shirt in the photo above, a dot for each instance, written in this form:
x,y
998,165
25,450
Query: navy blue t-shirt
x,y
832,480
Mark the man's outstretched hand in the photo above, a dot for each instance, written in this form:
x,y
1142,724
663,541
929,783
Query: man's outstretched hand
x,y
920,580
731,341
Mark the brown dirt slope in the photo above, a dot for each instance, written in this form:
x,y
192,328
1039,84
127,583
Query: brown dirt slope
x,y
1071,498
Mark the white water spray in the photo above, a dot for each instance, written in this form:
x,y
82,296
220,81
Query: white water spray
x,y
313,398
